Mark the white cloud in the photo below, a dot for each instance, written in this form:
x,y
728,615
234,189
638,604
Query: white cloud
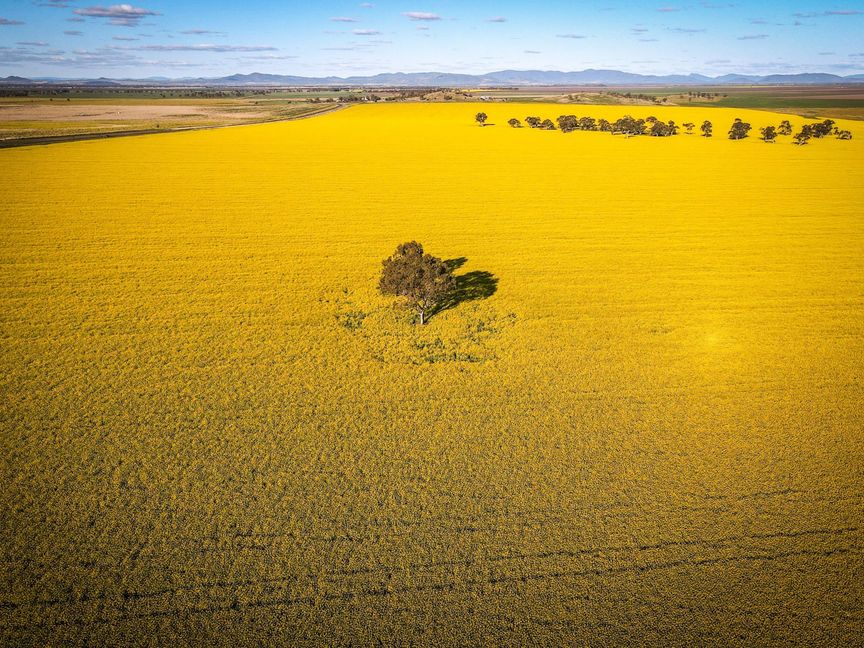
x,y
121,14
421,15
201,32
201,48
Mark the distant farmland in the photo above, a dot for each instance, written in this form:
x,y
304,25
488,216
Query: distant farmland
x,y
213,427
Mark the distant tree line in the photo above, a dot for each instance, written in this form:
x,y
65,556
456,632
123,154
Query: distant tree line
x,y
653,127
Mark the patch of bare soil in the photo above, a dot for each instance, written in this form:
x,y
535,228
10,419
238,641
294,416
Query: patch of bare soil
x,y
71,112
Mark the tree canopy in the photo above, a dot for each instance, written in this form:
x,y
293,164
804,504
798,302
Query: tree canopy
x,y
739,130
769,133
423,280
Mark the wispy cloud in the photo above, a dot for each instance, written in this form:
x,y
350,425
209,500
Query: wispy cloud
x,y
834,12
638,30
421,15
573,36
366,5
268,57
123,38
668,9
753,37
106,57
343,19
496,19
685,30
33,43
208,47
8,22
366,32
73,32
124,15
202,32
531,52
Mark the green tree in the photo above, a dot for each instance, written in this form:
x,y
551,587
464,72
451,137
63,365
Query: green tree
x,y
515,123
802,136
547,124
689,126
769,134
567,123
785,128
823,129
629,126
707,128
533,122
423,280
481,118
844,134
739,130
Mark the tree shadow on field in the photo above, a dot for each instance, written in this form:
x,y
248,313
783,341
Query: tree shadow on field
x,y
471,286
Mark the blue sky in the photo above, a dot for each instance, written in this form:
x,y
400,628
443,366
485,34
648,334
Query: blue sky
x,y
178,38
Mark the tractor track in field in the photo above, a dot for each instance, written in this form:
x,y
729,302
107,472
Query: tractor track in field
x,y
251,594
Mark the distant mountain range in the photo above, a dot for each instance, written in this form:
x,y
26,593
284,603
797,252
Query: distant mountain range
x,y
444,79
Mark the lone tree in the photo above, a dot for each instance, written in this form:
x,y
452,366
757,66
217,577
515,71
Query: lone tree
x,y
739,130
785,128
422,279
515,123
533,122
769,134
707,128
481,118
844,134
689,126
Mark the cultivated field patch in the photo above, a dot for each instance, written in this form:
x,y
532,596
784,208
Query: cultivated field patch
x,y
649,432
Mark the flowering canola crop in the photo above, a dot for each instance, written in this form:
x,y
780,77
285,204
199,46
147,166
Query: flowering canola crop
x,y
644,426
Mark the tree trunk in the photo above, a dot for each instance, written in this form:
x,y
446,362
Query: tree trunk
x,y
422,318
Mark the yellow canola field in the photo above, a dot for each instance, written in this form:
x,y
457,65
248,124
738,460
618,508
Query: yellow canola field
x,y
641,425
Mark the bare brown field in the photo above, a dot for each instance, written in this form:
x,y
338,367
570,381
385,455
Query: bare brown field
x,y
61,111
43,120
